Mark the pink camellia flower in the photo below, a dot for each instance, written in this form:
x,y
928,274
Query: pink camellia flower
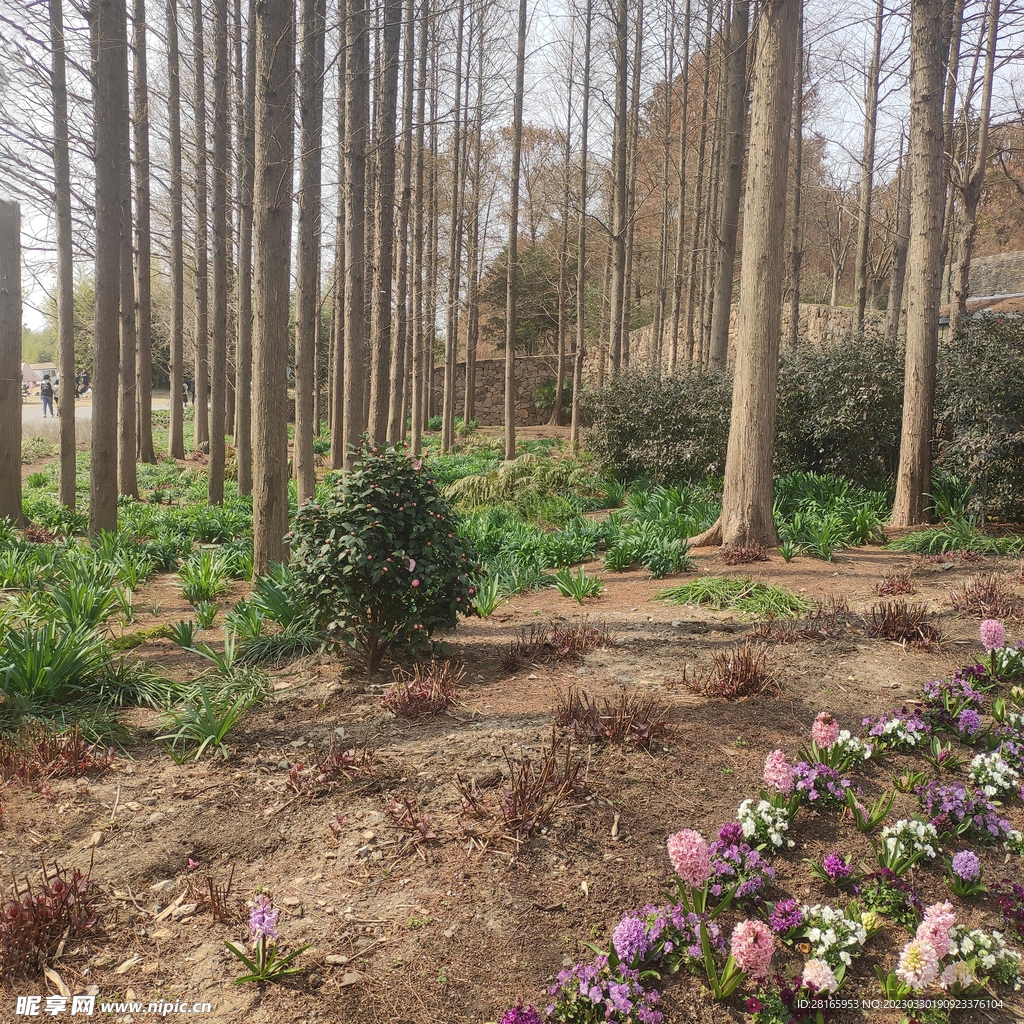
x,y
412,564
778,772
992,635
825,730
819,976
919,964
752,947
690,857
415,583
417,464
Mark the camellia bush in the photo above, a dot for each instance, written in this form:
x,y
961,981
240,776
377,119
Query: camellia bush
x,y
379,561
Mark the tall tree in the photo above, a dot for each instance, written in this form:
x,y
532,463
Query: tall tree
x,y
176,258
143,246
403,336
307,286
901,244
419,398
245,105
337,389
680,246
511,317
747,494
127,423
974,178
384,262
867,170
272,234
65,252
581,240
924,260
110,75
357,124
218,364
729,212
202,282
796,248
620,192
10,359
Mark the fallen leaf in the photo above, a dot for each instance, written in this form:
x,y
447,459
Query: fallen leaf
x,y
57,982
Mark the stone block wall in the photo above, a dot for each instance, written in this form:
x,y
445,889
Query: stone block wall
x,y
818,325
531,373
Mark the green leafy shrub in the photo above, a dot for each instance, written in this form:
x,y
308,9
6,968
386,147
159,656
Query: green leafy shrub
x,y
840,408
380,561
979,410
660,428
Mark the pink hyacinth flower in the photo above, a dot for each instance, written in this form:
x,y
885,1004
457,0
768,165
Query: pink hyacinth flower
x,y
778,772
992,635
752,947
690,857
825,730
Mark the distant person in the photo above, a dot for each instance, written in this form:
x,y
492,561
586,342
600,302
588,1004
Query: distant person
x,y
184,394
56,396
46,393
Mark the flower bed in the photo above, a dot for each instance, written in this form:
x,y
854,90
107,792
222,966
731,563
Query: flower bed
x,y
942,956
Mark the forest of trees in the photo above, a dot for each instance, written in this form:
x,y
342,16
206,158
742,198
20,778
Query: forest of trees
x,y
368,194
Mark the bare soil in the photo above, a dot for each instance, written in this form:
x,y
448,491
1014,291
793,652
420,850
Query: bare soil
x,y
449,928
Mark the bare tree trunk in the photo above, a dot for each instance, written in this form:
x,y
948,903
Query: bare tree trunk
x,y
680,249
661,286
202,318
972,186
356,120
403,335
729,214
632,145
511,316
747,495
272,234
563,268
924,260
581,241
473,254
219,338
618,297
796,249
451,346
307,288
143,290
10,343
384,262
110,68
699,197
419,343
65,269
867,171
176,442
127,424
899,255
340,271
243,345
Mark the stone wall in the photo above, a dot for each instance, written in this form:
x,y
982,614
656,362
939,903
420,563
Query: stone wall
x,y
818,325
531,373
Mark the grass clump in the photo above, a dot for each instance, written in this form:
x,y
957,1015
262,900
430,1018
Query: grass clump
x,y
743,594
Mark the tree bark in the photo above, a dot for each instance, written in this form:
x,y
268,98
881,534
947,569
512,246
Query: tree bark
x,y
680,248
729,214
176,259
218,365
307,285
796,249
511,318
473,249
924,261
127,423
581,240
357,121
899,255
246,118
975,180
337,389
272,231
747,494
384,262
202,317
110,67
618,297
632,146
10,351
65,265
867,171
419,343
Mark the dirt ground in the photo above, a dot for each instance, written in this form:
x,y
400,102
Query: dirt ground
x,y
450,928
